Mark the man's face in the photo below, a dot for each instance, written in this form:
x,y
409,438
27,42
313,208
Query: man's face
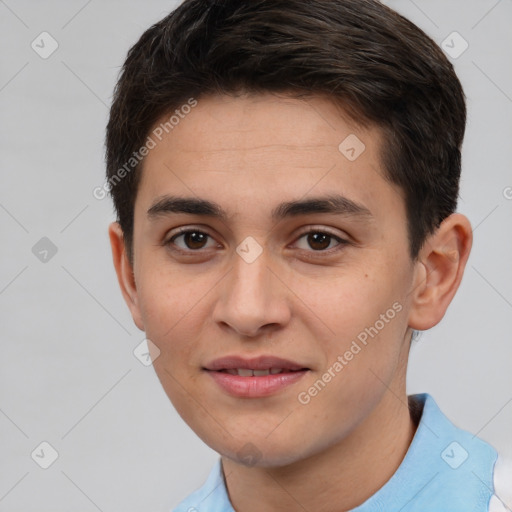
x,y
255,285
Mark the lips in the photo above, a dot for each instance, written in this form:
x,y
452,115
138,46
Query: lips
x,y
255,363
254,377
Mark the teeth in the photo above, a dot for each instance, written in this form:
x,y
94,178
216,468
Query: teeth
x,y
246,372
261,373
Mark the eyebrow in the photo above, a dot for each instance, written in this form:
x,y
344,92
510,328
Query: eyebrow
x,y
333,204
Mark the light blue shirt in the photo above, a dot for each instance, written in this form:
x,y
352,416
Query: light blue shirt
x,y
446,469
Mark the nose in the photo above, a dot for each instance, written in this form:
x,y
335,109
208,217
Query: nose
x,y
252,298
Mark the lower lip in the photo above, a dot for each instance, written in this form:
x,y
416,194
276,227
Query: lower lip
x,y
255,387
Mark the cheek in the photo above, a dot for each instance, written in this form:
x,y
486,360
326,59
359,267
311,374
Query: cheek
x,y
171,310
361,318
169,304
346,302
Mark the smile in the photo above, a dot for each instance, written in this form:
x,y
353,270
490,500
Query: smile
x,y
255,377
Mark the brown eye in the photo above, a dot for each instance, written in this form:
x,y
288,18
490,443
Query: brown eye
x,y
191,239
319,241
195,239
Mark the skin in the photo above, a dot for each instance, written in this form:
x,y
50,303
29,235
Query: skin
x,y
299,300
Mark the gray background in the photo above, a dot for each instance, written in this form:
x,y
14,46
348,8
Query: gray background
x,y
68,375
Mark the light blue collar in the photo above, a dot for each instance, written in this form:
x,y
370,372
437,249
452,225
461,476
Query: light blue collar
x,y
446,469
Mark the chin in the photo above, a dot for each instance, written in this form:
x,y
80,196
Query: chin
x,y
261,453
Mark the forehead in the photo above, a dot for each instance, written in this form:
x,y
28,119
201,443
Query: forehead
x,y
253,122
256,149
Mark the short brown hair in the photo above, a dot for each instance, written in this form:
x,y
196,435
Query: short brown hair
x,y
377,65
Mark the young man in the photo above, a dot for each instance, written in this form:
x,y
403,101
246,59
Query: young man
x,y
285,175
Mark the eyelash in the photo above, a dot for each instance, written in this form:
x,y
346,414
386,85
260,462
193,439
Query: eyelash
x,y
183,231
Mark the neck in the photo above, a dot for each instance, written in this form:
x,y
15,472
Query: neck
x,y
337,479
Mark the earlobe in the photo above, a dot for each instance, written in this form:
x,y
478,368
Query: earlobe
x,y
124,271
439,270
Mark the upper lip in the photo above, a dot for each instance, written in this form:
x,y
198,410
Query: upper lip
x,y
253,363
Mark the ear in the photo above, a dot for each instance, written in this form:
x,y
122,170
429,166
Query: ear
x,y
124,271
439,269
